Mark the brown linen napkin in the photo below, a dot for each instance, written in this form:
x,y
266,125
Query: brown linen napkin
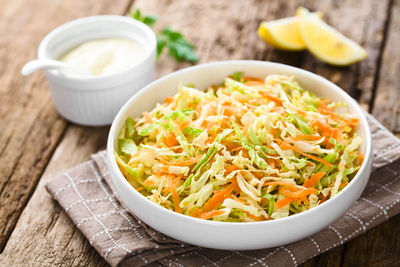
x,y
87,195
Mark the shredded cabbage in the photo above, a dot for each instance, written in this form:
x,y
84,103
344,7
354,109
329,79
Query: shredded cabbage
x,y
245,150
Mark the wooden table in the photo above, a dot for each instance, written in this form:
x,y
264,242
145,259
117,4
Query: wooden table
x,y
36,143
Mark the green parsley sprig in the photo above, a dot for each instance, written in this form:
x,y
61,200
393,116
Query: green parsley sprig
x,y
178,46
149,20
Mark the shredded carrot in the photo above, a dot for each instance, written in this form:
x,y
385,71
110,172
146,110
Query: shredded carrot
x,y
210,214
219,197
343,185
237,149
323,126
170,139
175,197
273,132
245,153
271,97
158,173
301,112
166,192
122,168
230,169
283,202
329,131
360,159
149,182
271,162
168,99
183,125
300,194
227,112
285,145
147,117
313,179
350,123
278,162
327,144
196,212
308,137
253,217
171,182
257,174
231,146
323,108
323,198
253,83
165,169
253,79
278,110
181,163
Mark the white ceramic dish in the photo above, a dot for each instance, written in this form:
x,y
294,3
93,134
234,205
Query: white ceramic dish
x,y
224,235
96,100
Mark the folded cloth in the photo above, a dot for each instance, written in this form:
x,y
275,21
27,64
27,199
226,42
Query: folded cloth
x,y
88,197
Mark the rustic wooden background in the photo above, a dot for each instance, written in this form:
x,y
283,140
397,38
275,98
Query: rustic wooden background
x,y
36,143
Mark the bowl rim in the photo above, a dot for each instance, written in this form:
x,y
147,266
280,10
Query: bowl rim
x,y
363,121
152,44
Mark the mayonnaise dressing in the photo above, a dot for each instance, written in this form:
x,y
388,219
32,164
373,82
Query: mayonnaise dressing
x,y
105,56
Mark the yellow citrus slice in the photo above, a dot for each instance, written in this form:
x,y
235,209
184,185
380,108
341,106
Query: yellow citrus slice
x,y
282,34
326,43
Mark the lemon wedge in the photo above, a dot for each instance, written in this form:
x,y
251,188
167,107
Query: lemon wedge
x,y
282,34
326,43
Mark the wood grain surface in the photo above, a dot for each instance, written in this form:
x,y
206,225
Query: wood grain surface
x,y
44,234
387,101
36,144
30,126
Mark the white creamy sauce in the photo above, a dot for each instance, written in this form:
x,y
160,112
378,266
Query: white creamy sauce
x,y
105,56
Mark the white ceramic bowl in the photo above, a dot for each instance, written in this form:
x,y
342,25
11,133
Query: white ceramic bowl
x,y
95,100
225,235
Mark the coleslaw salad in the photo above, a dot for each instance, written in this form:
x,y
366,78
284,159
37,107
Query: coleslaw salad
x,y
245,150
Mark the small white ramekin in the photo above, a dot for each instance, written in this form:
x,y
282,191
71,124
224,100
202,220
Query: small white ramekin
x,y
95,100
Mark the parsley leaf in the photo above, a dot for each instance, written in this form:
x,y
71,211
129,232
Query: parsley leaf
x,y
161,43
178,47
148,19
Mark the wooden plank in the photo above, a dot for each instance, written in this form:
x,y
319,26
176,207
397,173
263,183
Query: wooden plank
x,y
378,247
224,31
44,235
30,126
332,258
387,105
